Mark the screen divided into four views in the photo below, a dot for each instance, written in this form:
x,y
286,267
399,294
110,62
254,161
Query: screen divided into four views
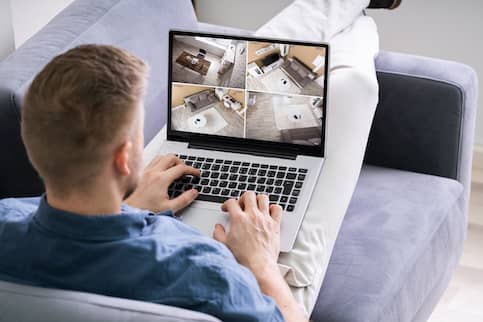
x,y
246,89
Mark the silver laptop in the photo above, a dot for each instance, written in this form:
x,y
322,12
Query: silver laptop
x,y
250,113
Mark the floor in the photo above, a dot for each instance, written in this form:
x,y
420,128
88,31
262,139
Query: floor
x,y
257,83
261,119
233,78
463,300
235,122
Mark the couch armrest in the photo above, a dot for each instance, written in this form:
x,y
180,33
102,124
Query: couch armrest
x,y
425,119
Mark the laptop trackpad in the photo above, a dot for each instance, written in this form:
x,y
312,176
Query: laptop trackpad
x,y
203,216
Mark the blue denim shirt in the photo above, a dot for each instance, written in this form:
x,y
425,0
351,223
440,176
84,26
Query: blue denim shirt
x,y
135,255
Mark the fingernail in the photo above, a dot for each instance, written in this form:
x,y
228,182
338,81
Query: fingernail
x,y
194,191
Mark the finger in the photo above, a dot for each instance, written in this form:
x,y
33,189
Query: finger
x,y
232,206
276,213
180,170
154,161
219,233
183,200
248,201
263,204
168,161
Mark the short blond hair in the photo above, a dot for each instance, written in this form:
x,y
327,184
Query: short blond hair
x,y
78,108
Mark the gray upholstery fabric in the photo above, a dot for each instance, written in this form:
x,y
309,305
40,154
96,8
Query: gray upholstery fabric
x,y
19,303
401,236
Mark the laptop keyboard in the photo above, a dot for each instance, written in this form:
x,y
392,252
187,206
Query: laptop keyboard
x,y
224,179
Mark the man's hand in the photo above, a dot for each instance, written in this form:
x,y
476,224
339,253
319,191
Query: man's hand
x,y
254,239
152,190
254,236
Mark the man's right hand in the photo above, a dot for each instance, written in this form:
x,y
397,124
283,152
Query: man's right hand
x,y
254,235
254,240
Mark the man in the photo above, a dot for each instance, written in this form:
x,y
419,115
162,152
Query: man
x,y
82,126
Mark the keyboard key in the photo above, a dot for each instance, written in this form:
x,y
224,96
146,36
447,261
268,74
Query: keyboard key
x,y
200,159
206,166
283,199
195,180
218,199
282,205
206,190
218,161
210,160
264,166
298,184
183,157
293,200
189,163
223,184
290,176
287,187
271,173
292,169
236,163
227,162
224,176
261,180
242,178
270,182
277,190
245,164
251,187
301,177
233,177
205,174
290,208
262,172
216,191
225,192
204,182
215,175
243,170
278,182
197,165
260,188
215,167
252,171
273,198
282,168
232,185
296,193
213,183
273,167
235,193
280,175
252,179
269,189
255,165
241,186
225,168
234,169
303,170
192,158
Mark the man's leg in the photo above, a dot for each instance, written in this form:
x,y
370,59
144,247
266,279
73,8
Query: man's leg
x,y
352,99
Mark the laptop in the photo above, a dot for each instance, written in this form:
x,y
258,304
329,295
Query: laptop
x,y
250,113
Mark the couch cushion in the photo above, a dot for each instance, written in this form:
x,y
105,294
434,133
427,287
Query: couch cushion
x,y
401,235
22,303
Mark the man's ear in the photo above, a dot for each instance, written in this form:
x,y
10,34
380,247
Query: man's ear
x,y
121,159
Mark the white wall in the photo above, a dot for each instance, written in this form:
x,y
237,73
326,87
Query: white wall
x,y
29,16
6,32
445,29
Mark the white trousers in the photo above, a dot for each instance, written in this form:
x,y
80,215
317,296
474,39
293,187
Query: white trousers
x,y
352,100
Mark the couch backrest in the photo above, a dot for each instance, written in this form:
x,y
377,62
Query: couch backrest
x,y
139,26
22,303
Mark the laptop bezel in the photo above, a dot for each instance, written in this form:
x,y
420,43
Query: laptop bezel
x,y
245,144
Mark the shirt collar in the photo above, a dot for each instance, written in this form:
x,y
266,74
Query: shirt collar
x,y
129,223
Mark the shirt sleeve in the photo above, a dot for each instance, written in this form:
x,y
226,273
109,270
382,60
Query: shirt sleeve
x,y
235,295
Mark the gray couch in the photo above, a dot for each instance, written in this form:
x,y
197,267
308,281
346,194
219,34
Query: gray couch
x,y
297,71
403,233
198,101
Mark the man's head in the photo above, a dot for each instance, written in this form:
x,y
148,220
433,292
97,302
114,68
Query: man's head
x,y
82,119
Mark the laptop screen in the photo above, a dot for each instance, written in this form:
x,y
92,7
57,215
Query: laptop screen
x,y
247,88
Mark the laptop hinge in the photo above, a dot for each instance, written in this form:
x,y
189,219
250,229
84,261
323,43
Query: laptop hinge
x,y
253,151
